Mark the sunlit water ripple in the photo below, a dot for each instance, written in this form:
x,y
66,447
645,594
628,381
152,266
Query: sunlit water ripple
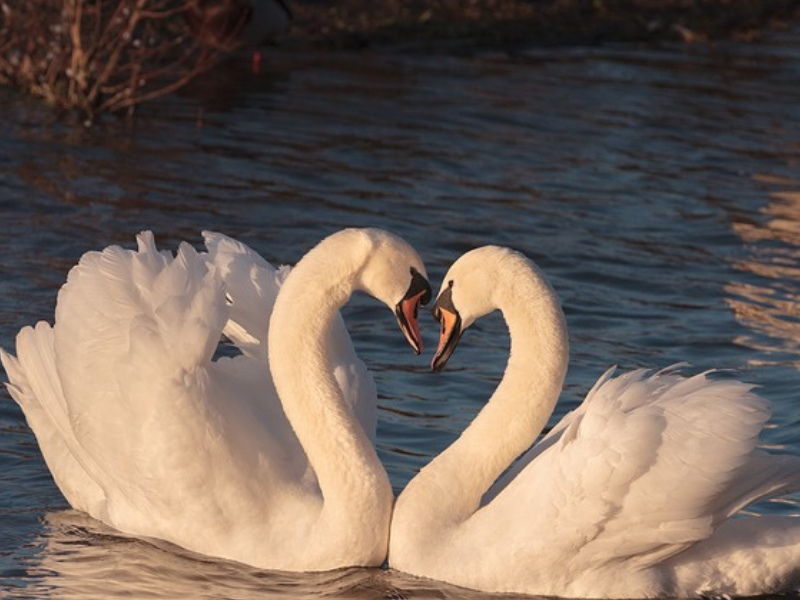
x,y
658,188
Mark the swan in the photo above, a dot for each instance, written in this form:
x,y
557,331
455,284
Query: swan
x,y
628,496
145,432
230,25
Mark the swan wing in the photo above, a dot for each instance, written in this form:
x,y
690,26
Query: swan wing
x,y
251,287
353,378
171,438
144,430
647,466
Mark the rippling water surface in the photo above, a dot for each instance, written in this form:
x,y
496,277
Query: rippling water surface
x,y
658,188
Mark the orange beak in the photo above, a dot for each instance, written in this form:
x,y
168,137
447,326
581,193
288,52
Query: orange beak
x,y
407,316
449,336
407,310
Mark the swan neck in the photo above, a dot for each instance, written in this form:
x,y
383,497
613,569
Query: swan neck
x,y
523,402
350,475
452,485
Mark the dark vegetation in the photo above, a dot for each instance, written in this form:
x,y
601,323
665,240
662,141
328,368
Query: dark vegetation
x,y
98,56
537,22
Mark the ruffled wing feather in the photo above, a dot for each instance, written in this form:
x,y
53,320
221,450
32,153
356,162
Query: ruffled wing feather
x,y
647,466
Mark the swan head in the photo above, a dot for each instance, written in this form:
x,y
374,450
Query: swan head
x,y
394,273
469,291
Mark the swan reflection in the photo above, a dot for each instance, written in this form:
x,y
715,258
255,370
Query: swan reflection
x,y
81,558
767,304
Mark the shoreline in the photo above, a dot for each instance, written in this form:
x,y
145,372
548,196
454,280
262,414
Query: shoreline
x,y
90,59
360,24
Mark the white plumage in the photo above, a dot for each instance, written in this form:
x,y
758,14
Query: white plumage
x,y
145,432
630,494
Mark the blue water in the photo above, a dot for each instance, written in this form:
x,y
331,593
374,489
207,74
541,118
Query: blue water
x,y
658,188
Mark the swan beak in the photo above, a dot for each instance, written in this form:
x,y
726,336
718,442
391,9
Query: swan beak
x,y
449,336
407,311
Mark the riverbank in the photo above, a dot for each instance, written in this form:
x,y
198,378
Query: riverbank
x,y
108,56
426,23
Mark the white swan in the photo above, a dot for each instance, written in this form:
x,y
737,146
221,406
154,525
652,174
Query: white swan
x,y
628,496
145,432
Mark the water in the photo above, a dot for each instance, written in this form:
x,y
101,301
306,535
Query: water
x,y
658,188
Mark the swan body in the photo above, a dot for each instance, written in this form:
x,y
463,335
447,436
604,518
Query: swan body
x,y
628,496
257,458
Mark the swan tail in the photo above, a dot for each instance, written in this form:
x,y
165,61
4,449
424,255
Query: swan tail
x,y
744,557
35,386
251,287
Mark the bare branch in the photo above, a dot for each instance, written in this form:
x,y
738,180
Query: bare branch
x,y
99,55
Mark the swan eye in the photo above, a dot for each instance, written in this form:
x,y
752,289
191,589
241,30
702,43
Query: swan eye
x,y
450,284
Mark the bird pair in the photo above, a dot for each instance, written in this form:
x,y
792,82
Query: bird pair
x,y
268,457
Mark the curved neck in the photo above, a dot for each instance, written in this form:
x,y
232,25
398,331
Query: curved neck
x,y
452,485
350,475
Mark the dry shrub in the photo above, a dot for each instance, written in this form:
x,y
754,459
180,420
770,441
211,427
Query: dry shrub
x,y
98,55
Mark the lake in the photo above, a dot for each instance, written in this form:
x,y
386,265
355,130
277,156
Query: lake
x,y
659,189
